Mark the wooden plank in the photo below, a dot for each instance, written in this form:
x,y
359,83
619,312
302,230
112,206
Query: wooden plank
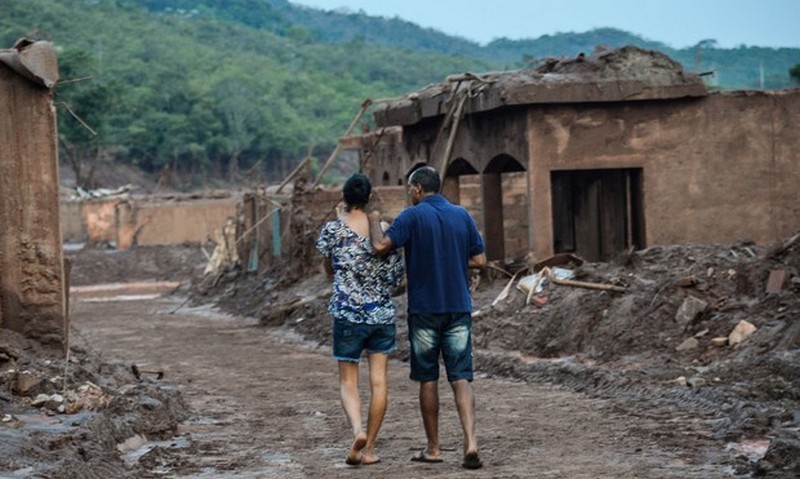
x,y
777,280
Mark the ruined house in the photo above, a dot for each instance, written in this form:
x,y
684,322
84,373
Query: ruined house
x,y
597,154
32,277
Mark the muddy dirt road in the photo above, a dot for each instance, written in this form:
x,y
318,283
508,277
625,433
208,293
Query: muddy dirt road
x,y
265,405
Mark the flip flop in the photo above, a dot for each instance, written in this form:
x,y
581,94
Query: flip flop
x,y
471,461
351,461
422,456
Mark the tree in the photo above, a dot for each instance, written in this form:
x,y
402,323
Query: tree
x,y
794,72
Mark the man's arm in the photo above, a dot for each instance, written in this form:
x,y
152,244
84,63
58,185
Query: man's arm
x,y
381,243
478,261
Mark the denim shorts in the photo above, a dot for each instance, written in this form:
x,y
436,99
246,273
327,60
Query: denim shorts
x,y
447,334
351,339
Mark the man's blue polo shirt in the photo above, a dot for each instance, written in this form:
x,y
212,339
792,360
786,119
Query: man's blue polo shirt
x,y
439,238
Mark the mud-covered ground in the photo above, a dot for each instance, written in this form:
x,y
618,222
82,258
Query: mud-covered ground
x,y
579,383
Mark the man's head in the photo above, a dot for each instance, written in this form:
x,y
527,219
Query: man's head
x,y
356,191
422,182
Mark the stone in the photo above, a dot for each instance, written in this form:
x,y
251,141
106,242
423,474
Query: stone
x,y
688,344
741,332
719,341
689,310
696,382
26,383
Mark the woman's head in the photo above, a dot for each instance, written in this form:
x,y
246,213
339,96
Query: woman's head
x,y
356,191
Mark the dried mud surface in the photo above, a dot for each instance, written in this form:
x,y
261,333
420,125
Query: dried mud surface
x,y
588,385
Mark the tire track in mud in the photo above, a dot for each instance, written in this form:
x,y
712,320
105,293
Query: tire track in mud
x,y
265,405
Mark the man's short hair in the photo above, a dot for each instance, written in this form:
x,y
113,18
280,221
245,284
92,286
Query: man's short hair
x,y
356,191
427,177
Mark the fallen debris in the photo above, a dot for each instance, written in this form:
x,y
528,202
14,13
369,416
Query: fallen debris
x,y
742,331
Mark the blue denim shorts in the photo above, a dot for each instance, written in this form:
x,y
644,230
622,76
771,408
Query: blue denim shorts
x,y
447,334
351,339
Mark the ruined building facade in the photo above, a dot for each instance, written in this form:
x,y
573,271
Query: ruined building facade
x,y
599,154
32,277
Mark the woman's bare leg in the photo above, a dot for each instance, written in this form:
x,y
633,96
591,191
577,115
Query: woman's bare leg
x,y
351,402
378,402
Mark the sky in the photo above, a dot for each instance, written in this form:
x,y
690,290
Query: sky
x,y
677,23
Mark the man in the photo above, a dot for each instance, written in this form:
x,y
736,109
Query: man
x,y
441,242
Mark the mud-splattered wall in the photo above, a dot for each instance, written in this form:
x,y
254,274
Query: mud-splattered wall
x,y
145,220
714,170
32,288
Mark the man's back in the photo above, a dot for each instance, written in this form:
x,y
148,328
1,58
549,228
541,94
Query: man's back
x,y
439,238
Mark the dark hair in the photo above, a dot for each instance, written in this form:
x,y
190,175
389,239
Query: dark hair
x,y
356,191
427,178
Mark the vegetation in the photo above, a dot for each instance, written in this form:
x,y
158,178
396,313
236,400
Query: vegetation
x,y
794,72
237,89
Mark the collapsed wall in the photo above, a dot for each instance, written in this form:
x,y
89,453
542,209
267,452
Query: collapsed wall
x,y
32,283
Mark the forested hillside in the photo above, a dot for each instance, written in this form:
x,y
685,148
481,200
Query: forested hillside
x,y
237,89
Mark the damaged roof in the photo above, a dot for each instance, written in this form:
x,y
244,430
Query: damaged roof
x,y
608,75
34,60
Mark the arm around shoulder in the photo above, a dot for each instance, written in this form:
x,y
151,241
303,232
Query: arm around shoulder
x,y
381,243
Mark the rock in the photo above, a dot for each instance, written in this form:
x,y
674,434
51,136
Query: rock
x,y
696,382
686,282
719,341
54,402
680,380
688,344
702,333
26,383
741,332
689,310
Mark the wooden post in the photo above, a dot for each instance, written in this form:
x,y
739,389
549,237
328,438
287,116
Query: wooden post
x,y
366,104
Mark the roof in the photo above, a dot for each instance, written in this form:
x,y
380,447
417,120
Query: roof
x,y
608,75
34,60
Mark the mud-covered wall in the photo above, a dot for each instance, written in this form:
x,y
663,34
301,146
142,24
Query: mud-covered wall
x,y
144,221
719,169
32,288
176,222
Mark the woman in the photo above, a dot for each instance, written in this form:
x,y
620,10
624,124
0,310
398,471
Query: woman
x,y
362,311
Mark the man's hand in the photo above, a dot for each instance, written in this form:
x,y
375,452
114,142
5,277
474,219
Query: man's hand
x,y
340,210
478,261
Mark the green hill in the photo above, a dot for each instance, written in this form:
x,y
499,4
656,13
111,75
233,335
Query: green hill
x,y
237,89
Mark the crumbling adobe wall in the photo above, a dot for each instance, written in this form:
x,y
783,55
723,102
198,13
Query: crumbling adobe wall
x,y
32,284
145,221
175,222
715,170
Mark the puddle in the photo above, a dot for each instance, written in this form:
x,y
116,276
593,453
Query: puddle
x,y
135,291
121,297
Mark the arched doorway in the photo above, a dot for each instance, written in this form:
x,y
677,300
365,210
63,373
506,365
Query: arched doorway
x,y
504,191
451,185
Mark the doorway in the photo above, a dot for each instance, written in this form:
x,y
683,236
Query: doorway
x,y
597,214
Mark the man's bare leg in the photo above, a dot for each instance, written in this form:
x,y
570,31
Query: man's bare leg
x,y
465,403
378,401
429,405
351,402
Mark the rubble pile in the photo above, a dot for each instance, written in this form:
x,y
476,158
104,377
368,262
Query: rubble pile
x,y
73,413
